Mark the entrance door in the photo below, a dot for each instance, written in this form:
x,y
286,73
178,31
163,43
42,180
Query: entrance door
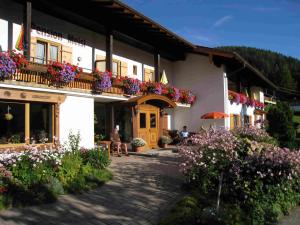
x,y
148,124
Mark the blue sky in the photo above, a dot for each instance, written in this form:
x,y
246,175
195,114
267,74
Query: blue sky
x,y
267,24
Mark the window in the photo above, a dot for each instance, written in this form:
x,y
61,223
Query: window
x,y
41,52
17,123
152,120
41,122
142,120
234,121
101,65
246,120
53,53
115,69
134,70
12,122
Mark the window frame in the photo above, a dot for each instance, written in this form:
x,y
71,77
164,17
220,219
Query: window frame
x,y
48,45
27,136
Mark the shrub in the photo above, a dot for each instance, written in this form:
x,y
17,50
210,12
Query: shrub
x,y
138,142
280,124
97,157
260,179
165,140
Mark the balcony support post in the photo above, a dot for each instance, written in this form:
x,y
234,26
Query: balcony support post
x,y
27,29
157,66
109,49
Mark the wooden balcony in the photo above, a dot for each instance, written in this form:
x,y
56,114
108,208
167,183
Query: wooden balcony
x,y
36,75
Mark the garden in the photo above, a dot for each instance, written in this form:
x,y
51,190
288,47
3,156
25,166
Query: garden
x,y
236,177
36,176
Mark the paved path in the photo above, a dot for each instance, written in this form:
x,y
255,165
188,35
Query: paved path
x,y
141,190
292,219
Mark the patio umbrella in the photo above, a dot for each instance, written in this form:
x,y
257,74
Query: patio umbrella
x,y
164,78
214,115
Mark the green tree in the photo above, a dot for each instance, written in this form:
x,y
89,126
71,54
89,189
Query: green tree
x,y
287,80
280,124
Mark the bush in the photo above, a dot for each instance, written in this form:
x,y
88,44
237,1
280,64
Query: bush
x,y
280,124
260,180
97,157
35,177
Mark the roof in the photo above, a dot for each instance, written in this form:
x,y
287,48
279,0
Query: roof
x,y
127,24
233,57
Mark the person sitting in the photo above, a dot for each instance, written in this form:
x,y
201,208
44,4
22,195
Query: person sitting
x,y
116,142
184,133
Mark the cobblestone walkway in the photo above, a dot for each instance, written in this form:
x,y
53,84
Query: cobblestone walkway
x,y
141,190
292,219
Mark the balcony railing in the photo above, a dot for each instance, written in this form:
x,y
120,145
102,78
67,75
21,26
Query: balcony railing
x,y
37,74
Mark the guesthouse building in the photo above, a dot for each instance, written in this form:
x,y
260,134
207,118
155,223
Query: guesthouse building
x,y
157,80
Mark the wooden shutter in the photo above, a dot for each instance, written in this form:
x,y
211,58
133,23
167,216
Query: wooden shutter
x,y
124,68
148,74
239,119
33,47
66,54
100,57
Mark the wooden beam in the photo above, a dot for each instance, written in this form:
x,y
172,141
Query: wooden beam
x,y
109,49
157,66
10,35
27,29
27,123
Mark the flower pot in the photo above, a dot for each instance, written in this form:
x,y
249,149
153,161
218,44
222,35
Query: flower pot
x,y
138,149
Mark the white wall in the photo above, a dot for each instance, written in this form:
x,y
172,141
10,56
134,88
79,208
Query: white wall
x,y
3,34
206,81
77,115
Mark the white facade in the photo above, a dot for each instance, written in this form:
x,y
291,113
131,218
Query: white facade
x,y
77,115
206,81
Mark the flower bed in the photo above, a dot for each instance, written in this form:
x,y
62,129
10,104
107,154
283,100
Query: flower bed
x,y
239,98
34,176
259,181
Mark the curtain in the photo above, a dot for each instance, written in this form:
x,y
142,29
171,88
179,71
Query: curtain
x,y
53,53
41,53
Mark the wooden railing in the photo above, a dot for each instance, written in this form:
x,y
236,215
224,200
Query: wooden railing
x,y
37,74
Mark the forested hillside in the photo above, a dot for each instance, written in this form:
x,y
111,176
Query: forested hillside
x,y
284,71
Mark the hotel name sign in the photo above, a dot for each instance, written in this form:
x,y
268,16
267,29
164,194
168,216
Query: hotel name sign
x,y
31,96
46,32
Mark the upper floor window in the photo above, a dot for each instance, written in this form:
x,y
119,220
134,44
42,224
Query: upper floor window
x,y
41,52
53,52
134,70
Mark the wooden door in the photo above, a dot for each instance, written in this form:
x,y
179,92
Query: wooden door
x,y
148,124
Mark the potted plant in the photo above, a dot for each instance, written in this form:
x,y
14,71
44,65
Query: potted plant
x,y
138,144
102,81
164,141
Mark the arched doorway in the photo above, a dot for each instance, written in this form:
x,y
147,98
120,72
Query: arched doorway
x,y
147,118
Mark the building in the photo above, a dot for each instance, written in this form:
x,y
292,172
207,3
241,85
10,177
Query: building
x,y
109,35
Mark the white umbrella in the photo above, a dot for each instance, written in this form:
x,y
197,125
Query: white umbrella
x,y
164,78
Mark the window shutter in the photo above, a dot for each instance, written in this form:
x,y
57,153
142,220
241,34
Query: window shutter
x,y
239,119
124,69
148,74
33,47
66,54
100,57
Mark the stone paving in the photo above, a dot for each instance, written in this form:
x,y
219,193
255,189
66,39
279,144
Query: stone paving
x,y
142,188
292,219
